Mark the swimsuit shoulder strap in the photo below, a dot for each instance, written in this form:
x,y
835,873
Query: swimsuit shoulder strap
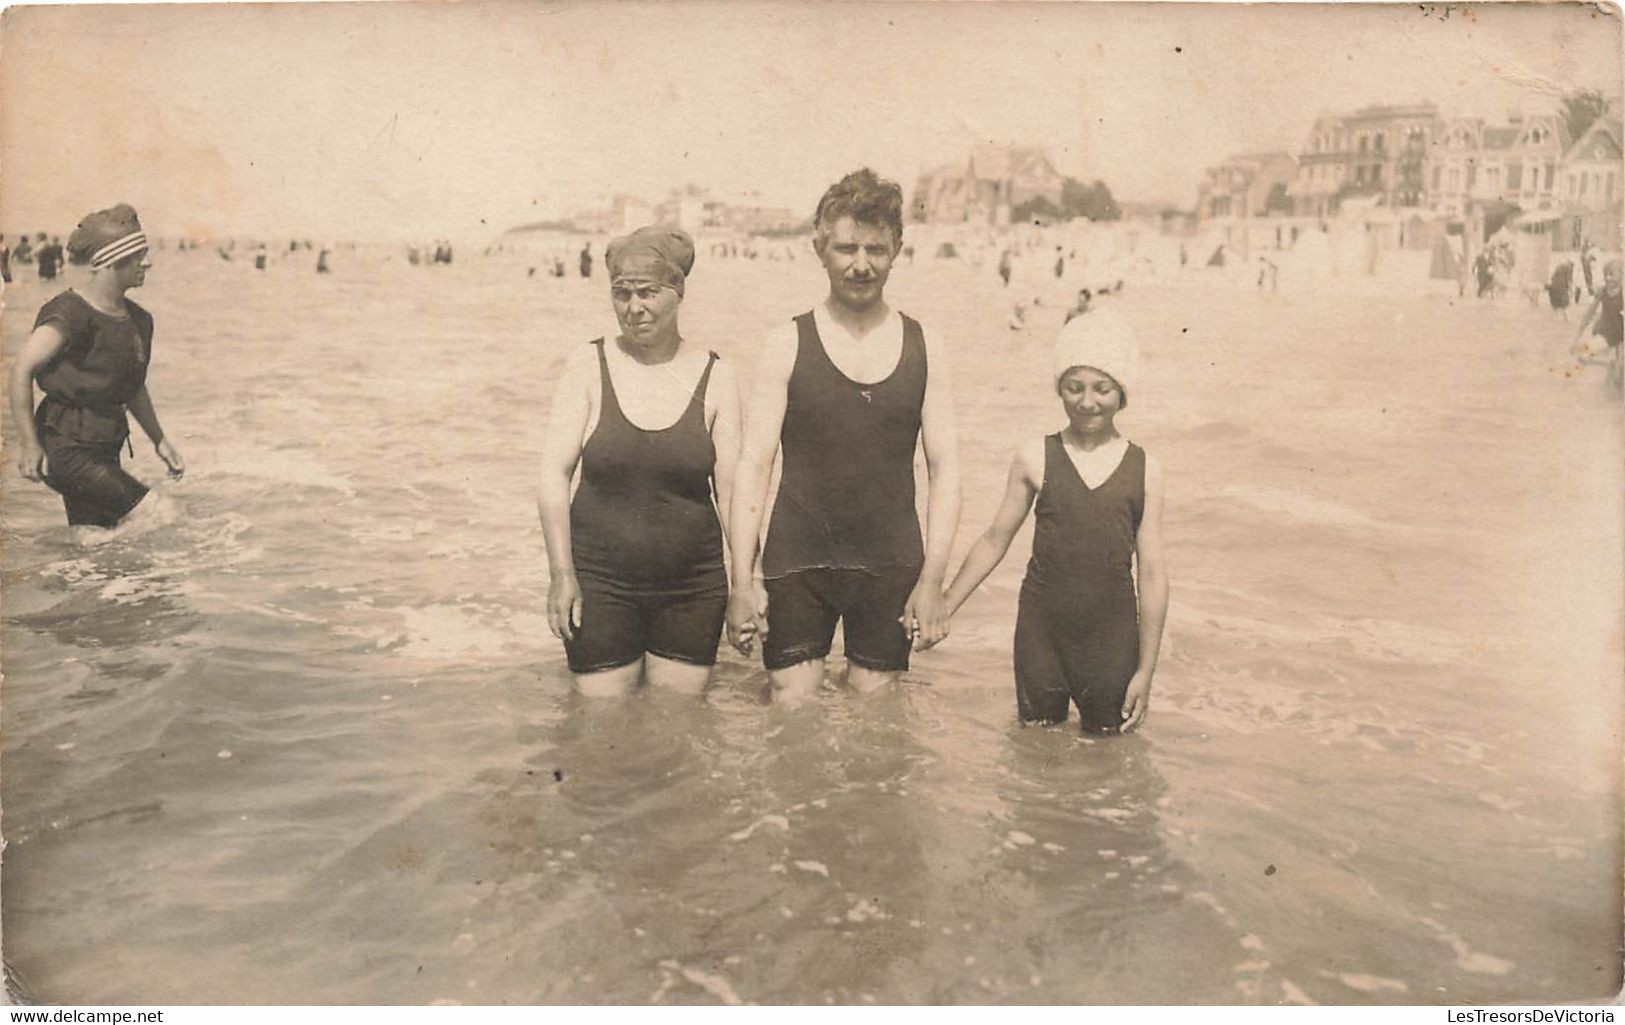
x,y
1137,494
705,379
810,355
606,383
914,348
1053,450
806,333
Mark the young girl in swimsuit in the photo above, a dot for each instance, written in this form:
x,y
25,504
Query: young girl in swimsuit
x,y
1603,320
1092,606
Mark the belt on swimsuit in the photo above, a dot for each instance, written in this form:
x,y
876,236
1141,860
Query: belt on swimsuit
x,y
111,411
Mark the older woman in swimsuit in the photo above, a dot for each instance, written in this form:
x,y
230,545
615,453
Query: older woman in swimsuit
x,y
637,586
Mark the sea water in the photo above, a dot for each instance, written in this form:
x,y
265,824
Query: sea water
x,y
306,737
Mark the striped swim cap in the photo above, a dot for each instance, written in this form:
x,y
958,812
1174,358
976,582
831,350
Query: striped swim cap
x,y
107,236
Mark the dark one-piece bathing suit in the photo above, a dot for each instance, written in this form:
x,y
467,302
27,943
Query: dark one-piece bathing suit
x,y
646,539
81,420
1077,623
844,539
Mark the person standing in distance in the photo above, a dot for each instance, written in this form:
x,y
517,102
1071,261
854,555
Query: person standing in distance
x,y
845,392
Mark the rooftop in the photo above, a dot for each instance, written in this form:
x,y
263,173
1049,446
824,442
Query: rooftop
x,y
1394,110
999,162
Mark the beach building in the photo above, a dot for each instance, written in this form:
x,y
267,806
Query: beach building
x,y
1454,165
987,186
699,211
1591,186
1530,172
768,220
1379,151
598,219
630,212
1322,169
1589,175
611,215
1159,218
1243,185
940,195
1471,162
690,208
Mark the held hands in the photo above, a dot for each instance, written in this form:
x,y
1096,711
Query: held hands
x,y
171,457
31,462
925,616
747,617
1137,701
564,606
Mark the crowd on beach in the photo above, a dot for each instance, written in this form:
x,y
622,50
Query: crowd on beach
x,y
44,252
1589,279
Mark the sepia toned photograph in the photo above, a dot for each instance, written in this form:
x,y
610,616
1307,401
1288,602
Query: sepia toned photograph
x,y
779,503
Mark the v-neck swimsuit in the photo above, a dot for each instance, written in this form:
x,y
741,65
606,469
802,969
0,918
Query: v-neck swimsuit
x,y
1077,621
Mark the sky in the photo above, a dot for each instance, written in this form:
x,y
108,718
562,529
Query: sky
x,y
397,120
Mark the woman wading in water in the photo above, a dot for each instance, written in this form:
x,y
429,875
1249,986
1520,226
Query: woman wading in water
x,y
637,586
89,351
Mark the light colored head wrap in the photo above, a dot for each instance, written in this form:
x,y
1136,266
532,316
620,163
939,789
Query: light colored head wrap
x,y
1103,340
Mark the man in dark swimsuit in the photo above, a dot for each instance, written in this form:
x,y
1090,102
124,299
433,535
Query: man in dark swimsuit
x,y
49,258
846,391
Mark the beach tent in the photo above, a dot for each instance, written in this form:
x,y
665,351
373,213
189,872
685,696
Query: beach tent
x,y
1497,215
1446,264
1217,259
1532,264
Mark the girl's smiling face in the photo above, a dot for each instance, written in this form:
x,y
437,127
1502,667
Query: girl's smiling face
x,y
1091,398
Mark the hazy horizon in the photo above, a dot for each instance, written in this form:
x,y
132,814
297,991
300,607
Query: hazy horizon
x,y
401,120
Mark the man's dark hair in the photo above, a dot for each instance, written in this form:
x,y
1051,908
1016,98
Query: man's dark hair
x,y
865,197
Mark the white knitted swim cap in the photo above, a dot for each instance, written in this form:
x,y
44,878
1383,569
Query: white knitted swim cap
x,y
1101,339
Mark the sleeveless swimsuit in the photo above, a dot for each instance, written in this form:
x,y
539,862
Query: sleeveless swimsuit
x,y
81,420
646,539
1077,622
844,541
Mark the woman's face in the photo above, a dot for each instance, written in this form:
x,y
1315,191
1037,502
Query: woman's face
x,y
1092,399
646,310
131,271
